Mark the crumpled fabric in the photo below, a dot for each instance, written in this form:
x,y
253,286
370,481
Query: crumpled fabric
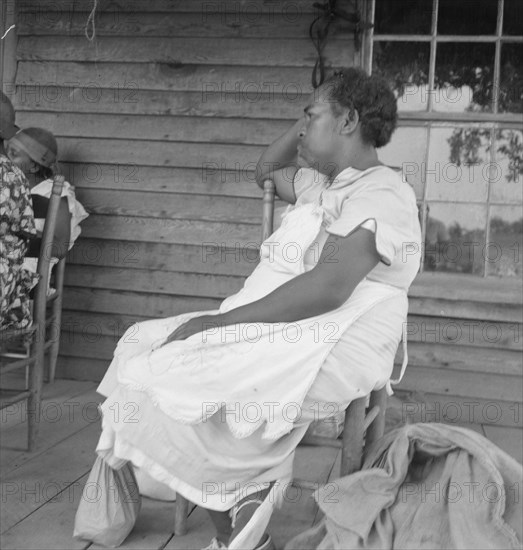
x,y
423,486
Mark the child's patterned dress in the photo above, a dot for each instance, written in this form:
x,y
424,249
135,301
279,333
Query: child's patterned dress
x,y
16,227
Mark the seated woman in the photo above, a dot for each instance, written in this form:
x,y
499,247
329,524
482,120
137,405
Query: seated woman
x,y
34,151
214,403
16,228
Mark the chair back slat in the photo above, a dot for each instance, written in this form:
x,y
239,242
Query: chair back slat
x,y
45,256
269,192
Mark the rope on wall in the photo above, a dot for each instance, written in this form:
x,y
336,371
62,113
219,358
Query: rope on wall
x,y
91,34
319,30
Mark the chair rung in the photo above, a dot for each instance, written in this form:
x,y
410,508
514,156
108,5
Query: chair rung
x,y
12,400
306,484
318,440
370,417
17,364
52,297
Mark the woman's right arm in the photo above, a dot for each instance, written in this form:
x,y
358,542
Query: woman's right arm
x,y
279,163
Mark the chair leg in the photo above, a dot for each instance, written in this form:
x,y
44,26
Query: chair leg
x,y
180,515
353,437
34,402
378,398
54,347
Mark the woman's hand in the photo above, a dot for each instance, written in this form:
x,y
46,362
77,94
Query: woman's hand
x,y
193,326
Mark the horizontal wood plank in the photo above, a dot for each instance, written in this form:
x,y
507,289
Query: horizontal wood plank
x,y
428,406
463,384
206,103
462,357
293,82
206,157
189,232
172,206
206,24
207,180
466,309
154,128
297,52
122,255
451,286
464,332
131,303
254,7
163,282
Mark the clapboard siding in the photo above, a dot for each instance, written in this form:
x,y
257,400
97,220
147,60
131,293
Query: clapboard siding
x,y
185,258
218,51
133,101
167,76
163,128
160,121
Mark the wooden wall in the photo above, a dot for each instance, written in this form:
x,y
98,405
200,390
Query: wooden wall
x,y
160,122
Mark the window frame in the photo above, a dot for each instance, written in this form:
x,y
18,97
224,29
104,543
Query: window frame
x,y
493,121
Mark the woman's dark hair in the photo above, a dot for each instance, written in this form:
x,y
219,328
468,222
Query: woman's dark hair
x,y
371,96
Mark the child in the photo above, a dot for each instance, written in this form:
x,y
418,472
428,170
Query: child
x,y
16,227
34,151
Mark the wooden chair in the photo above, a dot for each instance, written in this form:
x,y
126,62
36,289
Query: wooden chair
x,y
35,334
364,421
53,319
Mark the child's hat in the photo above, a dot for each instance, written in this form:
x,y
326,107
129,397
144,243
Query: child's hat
x,y
38,143
7,118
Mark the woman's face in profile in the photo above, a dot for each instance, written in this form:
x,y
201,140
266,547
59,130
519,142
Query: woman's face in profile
x,y
318,133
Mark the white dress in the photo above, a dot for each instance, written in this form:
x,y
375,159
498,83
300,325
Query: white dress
x,y
218,416
77,211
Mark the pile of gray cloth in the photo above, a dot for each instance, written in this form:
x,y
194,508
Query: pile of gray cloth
x,y
423,486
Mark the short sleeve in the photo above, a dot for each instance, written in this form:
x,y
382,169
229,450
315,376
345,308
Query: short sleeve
x,y
371,210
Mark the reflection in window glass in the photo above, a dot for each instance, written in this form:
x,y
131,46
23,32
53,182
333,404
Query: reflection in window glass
x,y
403,16
463,77
405,65
503,253
407,150
466,17
511,78
457,166
513,17
507,173
455,238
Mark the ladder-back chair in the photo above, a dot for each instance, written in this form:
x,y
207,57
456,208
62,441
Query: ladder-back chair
x,y
364,421
35,334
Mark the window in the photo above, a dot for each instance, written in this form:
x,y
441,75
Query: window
x,y
457,71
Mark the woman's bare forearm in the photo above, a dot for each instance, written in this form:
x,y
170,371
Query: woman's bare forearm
x,y
290,302
280,154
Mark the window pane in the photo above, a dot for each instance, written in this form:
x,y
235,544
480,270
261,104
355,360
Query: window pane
x,y
457,168
403,16
455,238
407,150
507,173
465,17
513,17
506,241
464,77
511,78
405,65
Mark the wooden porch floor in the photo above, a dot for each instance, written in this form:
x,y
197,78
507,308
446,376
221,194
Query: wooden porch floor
x,y
40,491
